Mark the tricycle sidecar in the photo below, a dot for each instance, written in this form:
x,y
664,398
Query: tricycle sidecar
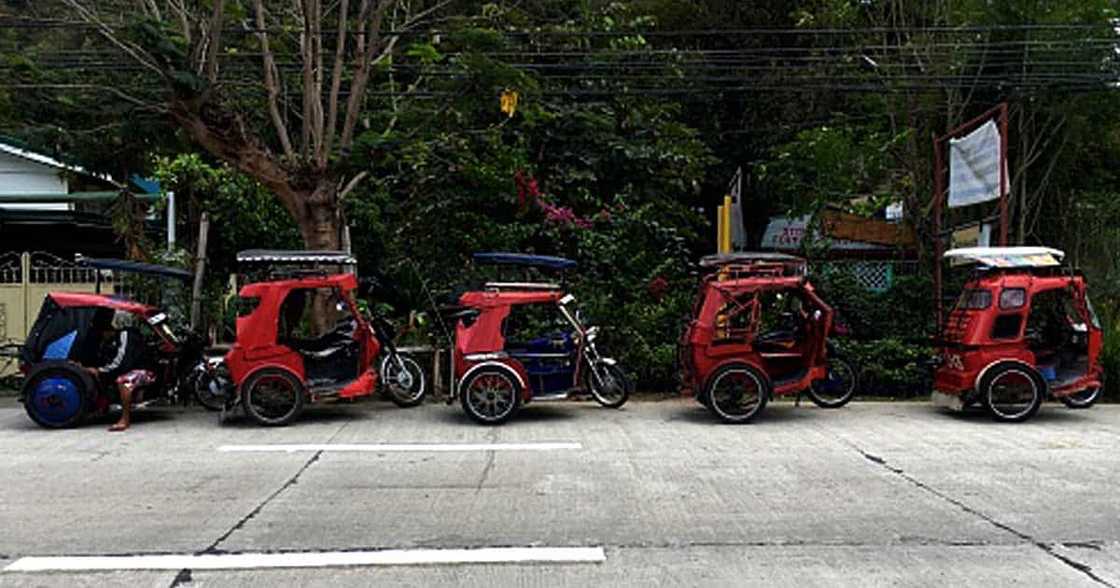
x,y
520,341
1022,329
759,329
65,341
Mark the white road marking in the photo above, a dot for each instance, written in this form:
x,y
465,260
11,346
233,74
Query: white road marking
x,y
311,559
400,447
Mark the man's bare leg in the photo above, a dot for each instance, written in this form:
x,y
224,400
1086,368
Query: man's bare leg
x,y
126,408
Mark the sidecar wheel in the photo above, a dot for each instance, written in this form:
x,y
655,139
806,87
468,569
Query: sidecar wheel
x,y
490,396
1012,393
406,389
57,395
737,393
273,397
608,384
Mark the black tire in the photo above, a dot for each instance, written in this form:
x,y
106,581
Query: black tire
x,y
403,396
1083,399
609,386
57,395
725,393
211,390
490,396
835,392
1012,393
273,397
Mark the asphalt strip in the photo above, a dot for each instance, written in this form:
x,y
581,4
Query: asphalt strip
x,y
399,447
310,559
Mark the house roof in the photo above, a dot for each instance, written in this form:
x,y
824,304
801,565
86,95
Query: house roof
x,y
11,147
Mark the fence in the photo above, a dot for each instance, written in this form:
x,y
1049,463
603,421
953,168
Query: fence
x,y
873,275
25,280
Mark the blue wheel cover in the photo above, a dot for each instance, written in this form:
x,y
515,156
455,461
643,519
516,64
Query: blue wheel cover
x,y
56,400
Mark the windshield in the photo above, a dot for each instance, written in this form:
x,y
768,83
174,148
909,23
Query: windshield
x,y
974,299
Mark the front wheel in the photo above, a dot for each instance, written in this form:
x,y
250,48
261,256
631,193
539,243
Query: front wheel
x,y
1084,398
273,397
1012,393
608,384
210,388
403,379
838,387
737,393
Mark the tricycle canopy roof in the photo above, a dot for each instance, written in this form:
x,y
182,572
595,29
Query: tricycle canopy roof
x,y
282,257
524,260
745,257
84,300
135,267
1008,257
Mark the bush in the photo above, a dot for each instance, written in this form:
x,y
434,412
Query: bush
x,y
890,331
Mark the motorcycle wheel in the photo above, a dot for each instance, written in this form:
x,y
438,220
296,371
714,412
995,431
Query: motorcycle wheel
x,y
1083,399
608,384
210,390
838,387
405,388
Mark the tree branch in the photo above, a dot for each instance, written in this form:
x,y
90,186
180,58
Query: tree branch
x,y
271,82
136,53
336,80
361,71
215,40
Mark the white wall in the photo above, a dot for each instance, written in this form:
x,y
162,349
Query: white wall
x,y
21,176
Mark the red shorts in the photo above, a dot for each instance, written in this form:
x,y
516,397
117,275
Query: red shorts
x,y
136,378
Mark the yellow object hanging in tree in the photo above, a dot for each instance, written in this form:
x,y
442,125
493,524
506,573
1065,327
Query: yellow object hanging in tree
x,y
509,101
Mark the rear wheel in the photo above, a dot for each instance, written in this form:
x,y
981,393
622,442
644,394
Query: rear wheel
x,y
1012,393
838,387
608,384
1084,398
737,393
57,396
403,380
490,396
210,388
273,397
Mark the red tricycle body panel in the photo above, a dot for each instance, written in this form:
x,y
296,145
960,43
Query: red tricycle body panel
x,y
989,326
725,329
481,340
258,344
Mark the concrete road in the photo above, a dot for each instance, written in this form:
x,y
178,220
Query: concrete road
x,y
872,494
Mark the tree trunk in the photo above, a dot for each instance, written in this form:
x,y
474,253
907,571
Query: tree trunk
x,y
320,225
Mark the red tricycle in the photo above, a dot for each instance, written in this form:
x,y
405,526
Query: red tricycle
x,y
500,359
60,390
1023,328
301,337
759,329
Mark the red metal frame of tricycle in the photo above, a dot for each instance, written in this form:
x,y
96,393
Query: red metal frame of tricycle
x,y
482,343
701,356
969,351
257,345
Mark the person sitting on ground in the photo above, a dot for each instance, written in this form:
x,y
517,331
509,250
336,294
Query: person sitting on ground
x,y
123,353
